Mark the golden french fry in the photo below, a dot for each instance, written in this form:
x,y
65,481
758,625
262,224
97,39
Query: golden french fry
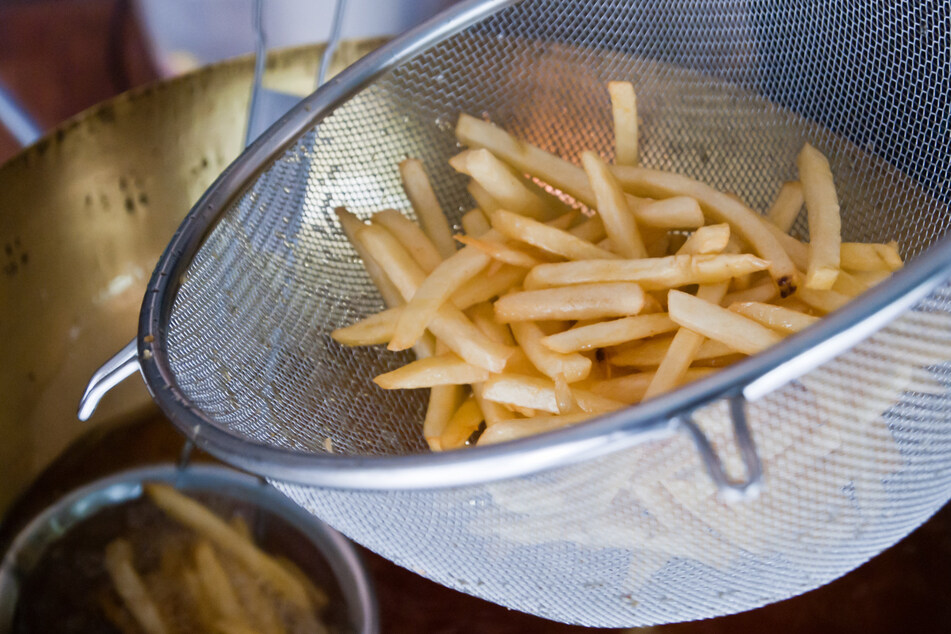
x,y
421,195
631,388
583,301
624,109
650,353
591,230
574,366
373,330
567,177
870,278
449,325
762,292
564,398
131,589
411,237
482,198
609,333
683,348
778,318
217,586
651,273
538,234
523,427
719,207
825,224
541,394
443,369
824,301
433,292
474,223
500,251
443,401
507,189
848,284
619,224
464,421
565,220
190,513
786,206
858,256
483,287
707,240
714,322
351,225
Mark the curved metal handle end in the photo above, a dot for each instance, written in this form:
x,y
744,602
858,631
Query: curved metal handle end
x,y
730,490
122,365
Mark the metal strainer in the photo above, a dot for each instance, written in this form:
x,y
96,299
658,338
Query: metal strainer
x,y
613,522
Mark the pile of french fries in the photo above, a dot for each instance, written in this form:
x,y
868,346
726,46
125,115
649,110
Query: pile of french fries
x,y
580,290
218,581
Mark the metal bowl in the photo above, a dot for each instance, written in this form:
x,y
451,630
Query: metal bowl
x,y
350,584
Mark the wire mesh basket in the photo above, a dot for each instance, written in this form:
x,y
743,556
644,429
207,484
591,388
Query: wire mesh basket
x,y
615,522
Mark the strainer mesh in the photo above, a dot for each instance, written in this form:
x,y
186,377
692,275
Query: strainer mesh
x,y
856,454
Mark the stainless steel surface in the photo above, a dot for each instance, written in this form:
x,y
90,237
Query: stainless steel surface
x,y
117,369
84,214
27,548
612,522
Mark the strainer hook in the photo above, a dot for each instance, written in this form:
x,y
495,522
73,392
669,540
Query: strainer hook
x,y
729,489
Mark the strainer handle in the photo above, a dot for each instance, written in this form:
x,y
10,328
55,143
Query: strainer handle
x,y
117,369
730,490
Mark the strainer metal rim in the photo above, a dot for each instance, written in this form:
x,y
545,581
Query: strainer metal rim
x,y
751,378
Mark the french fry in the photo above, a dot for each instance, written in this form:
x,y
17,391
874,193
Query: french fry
x,y
540,394
763,292
474,223
190,513
609,333
483,287
449,325
631,388
500,251
683,347
714,322
464,421
871,278
574,366
502,185
583,301
443,401
482,198
786,206
421,195
411,237
433,292
824,301
619,224
442,369
825,224
537,234
524,427
718,207
564,398
650,353
373,330
707,240
492,412
778,318
858,256
131,589
624,109
566,220
848,284
651,273
217,586
591,230
565,176
351,225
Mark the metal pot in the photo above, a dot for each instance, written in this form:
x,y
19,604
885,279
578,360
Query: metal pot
x,y
84,215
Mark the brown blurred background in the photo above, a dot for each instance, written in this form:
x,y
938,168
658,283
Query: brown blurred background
x,y
59,57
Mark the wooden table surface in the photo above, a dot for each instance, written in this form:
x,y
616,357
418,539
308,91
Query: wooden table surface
x,y
61,56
